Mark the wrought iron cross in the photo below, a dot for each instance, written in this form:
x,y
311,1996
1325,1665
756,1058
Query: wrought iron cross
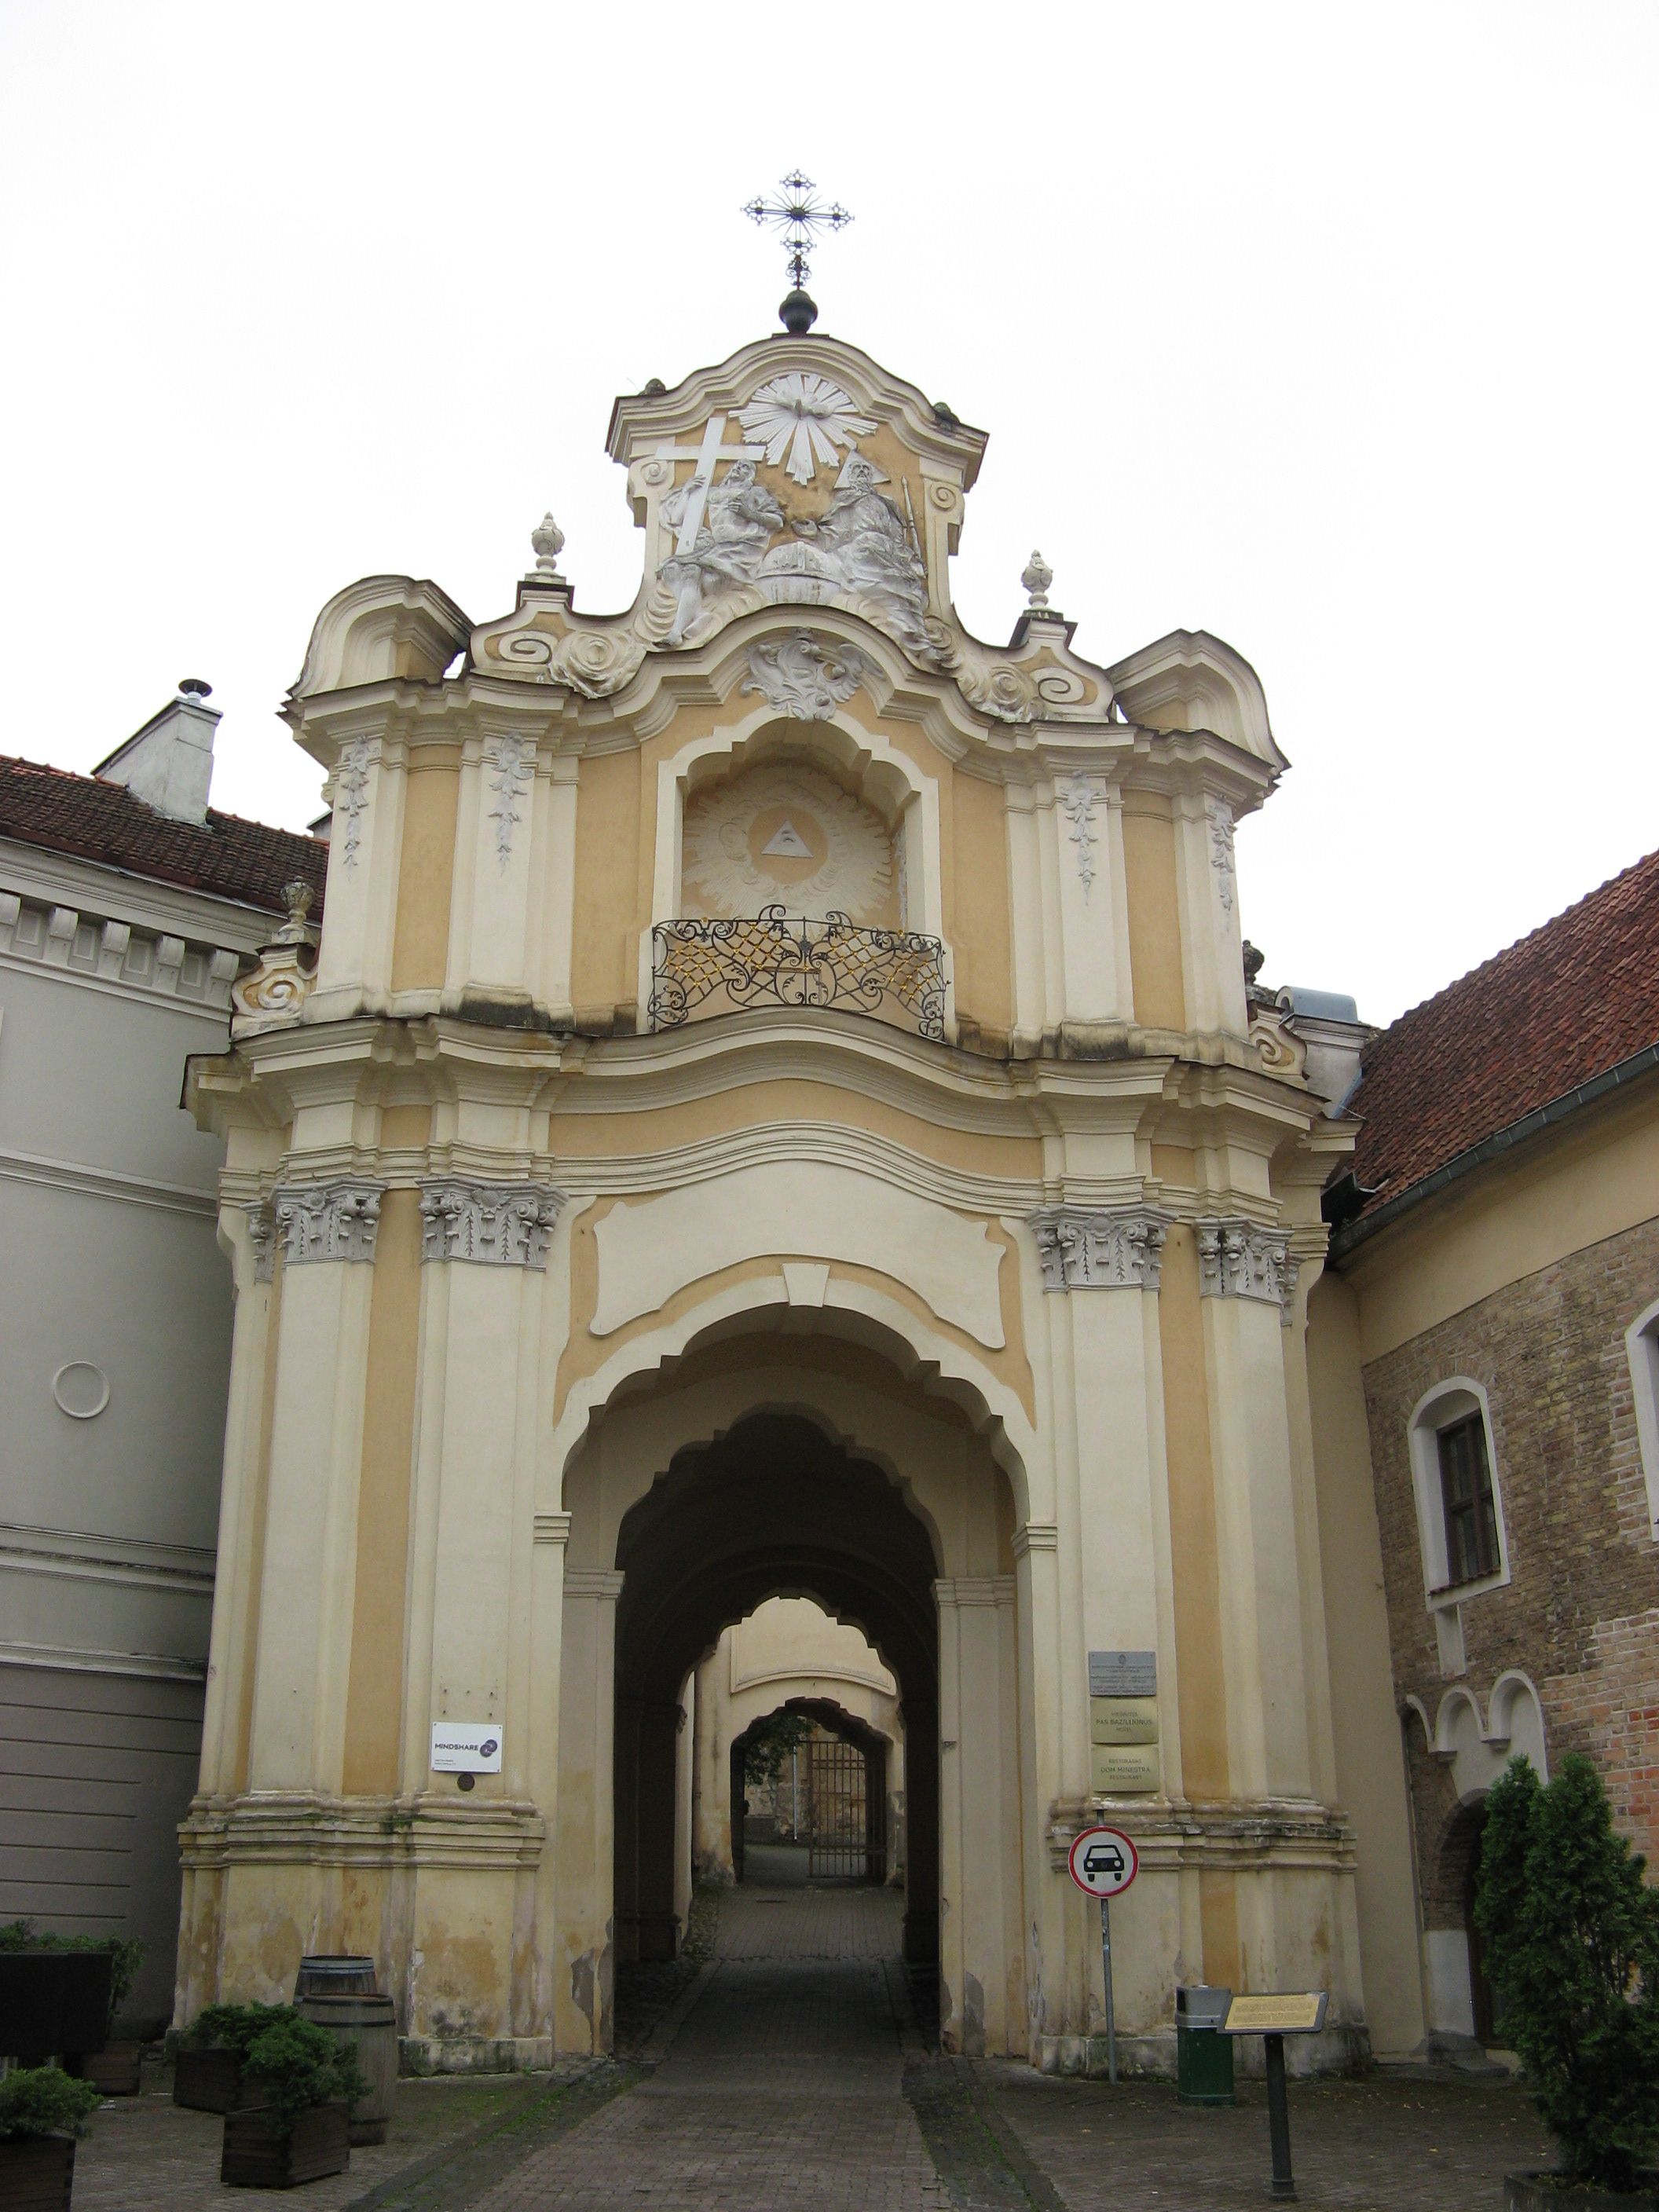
x,y
798,218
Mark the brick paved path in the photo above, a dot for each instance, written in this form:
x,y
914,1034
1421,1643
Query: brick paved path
x,y
784,2084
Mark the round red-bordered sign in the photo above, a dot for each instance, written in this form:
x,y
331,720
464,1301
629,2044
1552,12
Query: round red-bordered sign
x,y
1103,1861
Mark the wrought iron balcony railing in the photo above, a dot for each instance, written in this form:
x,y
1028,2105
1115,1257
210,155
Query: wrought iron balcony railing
x,y
774,958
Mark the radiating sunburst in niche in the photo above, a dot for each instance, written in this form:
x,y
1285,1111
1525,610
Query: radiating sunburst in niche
x,y
806,415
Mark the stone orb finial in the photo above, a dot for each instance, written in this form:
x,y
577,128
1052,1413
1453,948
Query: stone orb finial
x,y
1036,576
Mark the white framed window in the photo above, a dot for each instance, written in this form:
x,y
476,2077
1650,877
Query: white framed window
x,y
1642,1349
1460,1508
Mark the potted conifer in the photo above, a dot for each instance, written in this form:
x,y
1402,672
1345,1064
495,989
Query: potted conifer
x,y
42,2110
208,2065
299,2084
1570,1937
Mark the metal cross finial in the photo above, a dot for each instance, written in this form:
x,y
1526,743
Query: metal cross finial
x,y
798,216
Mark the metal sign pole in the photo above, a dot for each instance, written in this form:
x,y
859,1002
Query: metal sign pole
x,y
1283,2185
1106,1963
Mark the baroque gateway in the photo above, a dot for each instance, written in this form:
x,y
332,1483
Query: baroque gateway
x,y
776,1108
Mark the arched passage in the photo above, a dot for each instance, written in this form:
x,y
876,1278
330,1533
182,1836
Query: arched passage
x,y
771,1507
840,1848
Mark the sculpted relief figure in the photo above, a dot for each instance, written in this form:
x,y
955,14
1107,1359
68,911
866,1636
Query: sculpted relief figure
x,y
739,520
871,551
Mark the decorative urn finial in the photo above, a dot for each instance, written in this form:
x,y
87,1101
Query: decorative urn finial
x,y
548,541
1036,576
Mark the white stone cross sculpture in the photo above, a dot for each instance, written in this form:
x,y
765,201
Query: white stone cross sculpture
x,y
702,475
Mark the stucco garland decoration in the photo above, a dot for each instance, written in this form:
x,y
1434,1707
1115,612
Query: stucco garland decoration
x,y
501,1225
512,765
1242,1260
855,878
1221,848
1088,1248
351,794
327,1220
262,1235
807,675
1078,799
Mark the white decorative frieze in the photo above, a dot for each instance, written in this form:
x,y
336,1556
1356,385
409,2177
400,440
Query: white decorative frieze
x,y
1077,801
1221,848
805,675
503,1224
511,762
262,1235
351,795
1089,1248
115,953
1242,1260
327,1221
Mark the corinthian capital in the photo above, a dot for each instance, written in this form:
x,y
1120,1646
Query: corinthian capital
x,y
1090,1248
504,1224
327,1220
1242,1260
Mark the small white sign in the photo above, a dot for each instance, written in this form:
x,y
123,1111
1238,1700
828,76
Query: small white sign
x,y
467,1747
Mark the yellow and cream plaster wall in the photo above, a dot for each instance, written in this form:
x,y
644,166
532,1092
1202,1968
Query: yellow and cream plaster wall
x,y
594,1136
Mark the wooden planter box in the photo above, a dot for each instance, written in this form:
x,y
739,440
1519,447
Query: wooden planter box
x,y
208,2079
257,2156
113,2071
36,2173
1543,2192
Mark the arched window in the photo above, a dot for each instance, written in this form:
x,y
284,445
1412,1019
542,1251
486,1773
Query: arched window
x,y
1459,1505
1642,1349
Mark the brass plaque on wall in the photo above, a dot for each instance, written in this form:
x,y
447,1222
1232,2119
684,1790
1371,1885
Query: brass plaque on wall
x,y
1123,1769
1123,1720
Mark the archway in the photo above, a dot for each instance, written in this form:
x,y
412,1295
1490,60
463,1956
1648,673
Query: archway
x,y
772,1507
847,1835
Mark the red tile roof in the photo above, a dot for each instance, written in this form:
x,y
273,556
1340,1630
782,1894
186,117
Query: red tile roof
x,y
1529,1026
223,856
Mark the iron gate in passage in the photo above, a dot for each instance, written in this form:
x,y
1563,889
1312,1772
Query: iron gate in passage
x,y
842,1826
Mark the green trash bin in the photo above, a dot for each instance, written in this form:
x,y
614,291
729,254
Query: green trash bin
x,y
1204,2056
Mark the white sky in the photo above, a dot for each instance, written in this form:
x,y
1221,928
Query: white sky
x,y
1328,328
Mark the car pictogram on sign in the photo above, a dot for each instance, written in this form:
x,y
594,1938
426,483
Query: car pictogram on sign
x,y
1103,1861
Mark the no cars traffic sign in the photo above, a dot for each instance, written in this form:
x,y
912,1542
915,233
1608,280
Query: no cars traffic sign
x,y
1103,1861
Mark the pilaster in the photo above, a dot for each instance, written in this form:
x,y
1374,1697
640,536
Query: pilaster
x,y
585,1965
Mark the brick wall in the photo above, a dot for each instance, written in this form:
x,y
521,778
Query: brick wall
x,y
1580,1616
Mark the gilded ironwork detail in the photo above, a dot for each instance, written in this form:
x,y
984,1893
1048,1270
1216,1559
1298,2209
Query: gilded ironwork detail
x,y
771,958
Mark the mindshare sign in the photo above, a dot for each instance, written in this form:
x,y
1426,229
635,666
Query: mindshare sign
x,y
467,1747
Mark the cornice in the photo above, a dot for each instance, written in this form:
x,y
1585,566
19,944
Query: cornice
x,y
50,878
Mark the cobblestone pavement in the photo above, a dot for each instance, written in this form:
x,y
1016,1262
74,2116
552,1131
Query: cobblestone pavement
x,y
1388,2143
809,1923
794,2079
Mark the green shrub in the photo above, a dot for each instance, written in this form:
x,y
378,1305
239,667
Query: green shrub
x,y
233,2026
43,2101
126,1953
1571,1932
292,2064
770,1744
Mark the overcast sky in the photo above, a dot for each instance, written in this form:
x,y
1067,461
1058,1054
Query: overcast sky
x,y
1328,328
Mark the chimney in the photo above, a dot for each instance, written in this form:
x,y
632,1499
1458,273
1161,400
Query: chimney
x,y
169,763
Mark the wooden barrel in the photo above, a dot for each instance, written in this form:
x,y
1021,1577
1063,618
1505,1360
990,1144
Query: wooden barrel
x,y
335,1973
369,2024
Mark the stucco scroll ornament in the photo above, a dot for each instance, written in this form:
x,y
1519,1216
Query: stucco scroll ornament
x,y
807,677
275,990
1078,800
512,765
1221,848
739,520
327,1220
351,794
1280,1053
1242,1260
1089,1248
501,1225
998,688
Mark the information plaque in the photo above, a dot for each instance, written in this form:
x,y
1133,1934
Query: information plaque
x,y
1292,2012
1124,1770
1123,1674
1123,1720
